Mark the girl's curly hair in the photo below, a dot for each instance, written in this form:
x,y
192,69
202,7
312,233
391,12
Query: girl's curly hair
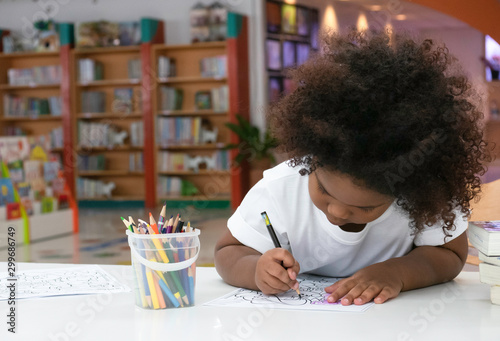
x,y
397,115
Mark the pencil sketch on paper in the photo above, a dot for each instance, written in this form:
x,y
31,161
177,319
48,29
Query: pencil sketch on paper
x,y
313,297
90,279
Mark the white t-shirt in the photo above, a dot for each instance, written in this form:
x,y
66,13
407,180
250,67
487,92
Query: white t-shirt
x,y
319,246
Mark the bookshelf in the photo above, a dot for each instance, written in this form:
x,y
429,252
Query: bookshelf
x,y
90,113
21,96
291,37
180,129
102,114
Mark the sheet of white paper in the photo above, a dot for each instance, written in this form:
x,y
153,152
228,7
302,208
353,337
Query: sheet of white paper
x,y
312,290
88,279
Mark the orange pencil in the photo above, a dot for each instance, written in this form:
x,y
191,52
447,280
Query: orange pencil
x,y
152,223
159,293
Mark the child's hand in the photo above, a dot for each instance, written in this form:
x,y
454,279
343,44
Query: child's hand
x,y
276,272
378,282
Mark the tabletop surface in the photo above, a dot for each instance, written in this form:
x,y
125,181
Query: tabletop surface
x,y
458,310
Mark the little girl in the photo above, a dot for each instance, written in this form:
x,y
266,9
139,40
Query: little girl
x,y
385,150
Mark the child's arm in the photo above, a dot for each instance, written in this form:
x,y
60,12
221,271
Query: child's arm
x,y
422,267
273,272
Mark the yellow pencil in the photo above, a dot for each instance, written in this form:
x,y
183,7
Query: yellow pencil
x,y
152,289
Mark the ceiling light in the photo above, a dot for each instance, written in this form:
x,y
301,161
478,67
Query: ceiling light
x,y
400,17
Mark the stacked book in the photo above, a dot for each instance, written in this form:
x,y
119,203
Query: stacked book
x,y
166,67
123,101
89,188
171,98
20,106
485,236
171,162
136,162
56,138
215,67
134,69
94,134
93,102
91,162
90,70
38,75
137,134
169,186
178,131
220,99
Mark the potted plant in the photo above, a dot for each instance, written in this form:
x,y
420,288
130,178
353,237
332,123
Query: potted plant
x,y
254,147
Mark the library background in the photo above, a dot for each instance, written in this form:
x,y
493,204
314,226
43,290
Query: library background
x,y
110,109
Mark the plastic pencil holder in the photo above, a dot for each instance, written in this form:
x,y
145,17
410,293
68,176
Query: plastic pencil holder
x,y
164,267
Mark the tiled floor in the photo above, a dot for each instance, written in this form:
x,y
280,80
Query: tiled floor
x,y
102,239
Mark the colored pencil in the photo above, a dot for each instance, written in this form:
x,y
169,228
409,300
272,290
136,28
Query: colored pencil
x,y
161,218
179,226
170,224
152,223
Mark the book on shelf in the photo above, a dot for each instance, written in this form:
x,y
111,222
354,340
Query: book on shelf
x,y
21,106
6,191
123,100
171,98
93,102
90,70
175,186
179,131
97,34
94,134
220,99
136,162
47,204
38,75
129,33
137,134
134,68
215,67
56,137
485,236
13,211
50,170
16,171
90,188
91,162
166,67
203,100
38,173
14,131
172,161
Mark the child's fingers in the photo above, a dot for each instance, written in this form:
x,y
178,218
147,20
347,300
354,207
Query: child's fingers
x,y
286,258
367,295
385,294
333,287
352,294
279,278
339,289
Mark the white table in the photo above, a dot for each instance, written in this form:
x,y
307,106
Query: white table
x,y
459,310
